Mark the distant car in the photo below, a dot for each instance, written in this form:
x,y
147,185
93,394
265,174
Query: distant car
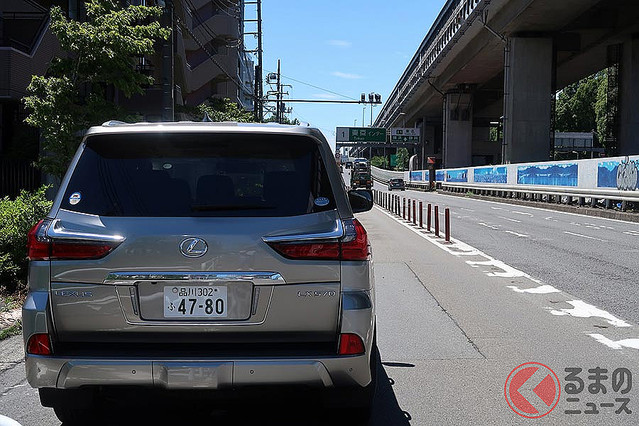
x,y
200,256
396,184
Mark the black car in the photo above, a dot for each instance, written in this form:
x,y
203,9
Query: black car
x,y
396,184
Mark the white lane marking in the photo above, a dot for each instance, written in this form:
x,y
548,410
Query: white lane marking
x,y
540,209
575,223
510,219
633,233
522,213
542,289
585,236
509,271
488,226
619,344
496,208
459,248
517,234
550,218
582,309
468,210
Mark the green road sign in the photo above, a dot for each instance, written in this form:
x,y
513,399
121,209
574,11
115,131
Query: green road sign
x,y
360,134
401,138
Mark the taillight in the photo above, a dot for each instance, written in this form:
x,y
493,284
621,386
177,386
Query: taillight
x,y
352,246
41,247
355,241
38,246
39,344
350,344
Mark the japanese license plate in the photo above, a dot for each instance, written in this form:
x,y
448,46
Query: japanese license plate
x,y
195,302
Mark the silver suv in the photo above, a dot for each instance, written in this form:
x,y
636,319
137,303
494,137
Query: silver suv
x,y
200,256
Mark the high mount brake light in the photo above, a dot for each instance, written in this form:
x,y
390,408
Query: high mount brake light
x,y
41,247
352,246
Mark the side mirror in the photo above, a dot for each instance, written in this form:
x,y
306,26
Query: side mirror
x,y
361,200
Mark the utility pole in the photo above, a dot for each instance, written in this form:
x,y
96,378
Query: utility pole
x,y
278,108
168,78
258,88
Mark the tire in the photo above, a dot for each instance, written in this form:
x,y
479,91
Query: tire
x,y
360,400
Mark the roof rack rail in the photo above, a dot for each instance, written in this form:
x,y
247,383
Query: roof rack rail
x,y
112,123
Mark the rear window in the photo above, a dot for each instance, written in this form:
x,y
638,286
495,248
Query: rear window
x,y
199,175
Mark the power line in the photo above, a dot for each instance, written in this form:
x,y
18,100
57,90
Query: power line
x,y
314,86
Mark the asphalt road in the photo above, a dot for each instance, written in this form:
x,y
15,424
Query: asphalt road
x,y
595,259
453,322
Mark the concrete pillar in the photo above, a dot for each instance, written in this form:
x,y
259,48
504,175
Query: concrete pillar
x,y
458,130
527,99
628,143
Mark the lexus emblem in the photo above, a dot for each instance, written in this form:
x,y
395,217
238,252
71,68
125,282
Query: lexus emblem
x,y
193,247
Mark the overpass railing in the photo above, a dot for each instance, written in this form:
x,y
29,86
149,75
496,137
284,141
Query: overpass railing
x,y
614,178
429,54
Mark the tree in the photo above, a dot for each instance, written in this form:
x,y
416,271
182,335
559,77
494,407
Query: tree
x,y
402,159
285,120
101,53
379,161
581,106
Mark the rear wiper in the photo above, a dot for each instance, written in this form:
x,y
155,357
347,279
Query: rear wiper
x,y
216,207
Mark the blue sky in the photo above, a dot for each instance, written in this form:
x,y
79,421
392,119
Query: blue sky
x,y
348,47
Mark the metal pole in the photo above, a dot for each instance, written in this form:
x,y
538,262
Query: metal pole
x,y
437,221
258,77
414,214
363,111
409,209
447,224
403,208
168,85
278,113
428,218
421,215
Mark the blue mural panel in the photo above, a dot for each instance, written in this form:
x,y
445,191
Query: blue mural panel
x,y
607,174
491,175
416,176
548,174
457,175
439,175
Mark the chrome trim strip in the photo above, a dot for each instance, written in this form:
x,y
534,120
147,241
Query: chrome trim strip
x,y
337,232
57,231
257,278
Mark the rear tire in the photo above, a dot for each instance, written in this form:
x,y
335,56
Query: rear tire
x,y
71,416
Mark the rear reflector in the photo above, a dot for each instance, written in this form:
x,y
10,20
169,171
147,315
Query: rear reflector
x,y
41,247
39,344
350,344
352,246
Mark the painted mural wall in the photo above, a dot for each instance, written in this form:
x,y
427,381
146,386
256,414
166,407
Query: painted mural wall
x,y
620,173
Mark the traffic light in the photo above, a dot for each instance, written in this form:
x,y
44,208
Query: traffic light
x,y
363,97
378,98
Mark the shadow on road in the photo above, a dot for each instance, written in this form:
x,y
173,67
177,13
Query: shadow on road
x,y
278,408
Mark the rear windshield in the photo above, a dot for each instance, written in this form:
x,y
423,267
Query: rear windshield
x,y
199,175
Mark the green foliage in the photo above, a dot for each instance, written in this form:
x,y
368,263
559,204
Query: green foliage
x,y
581,106
16,219
381,162
225,110
102,52
285,120
12,330
402,159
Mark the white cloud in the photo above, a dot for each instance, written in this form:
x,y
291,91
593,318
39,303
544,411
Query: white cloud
x,y
346,75
340,43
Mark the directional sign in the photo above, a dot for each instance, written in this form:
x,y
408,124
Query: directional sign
x,y
360,134
400,134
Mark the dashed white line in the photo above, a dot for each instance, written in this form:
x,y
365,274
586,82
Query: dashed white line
x,y
581,309
618,344
517,234
510,219
522,213
488,226
585,236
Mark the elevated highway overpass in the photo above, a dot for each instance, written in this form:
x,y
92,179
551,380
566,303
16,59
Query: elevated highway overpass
x,y
499,63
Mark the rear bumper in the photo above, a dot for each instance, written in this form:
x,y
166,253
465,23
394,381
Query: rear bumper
x,y
66,373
